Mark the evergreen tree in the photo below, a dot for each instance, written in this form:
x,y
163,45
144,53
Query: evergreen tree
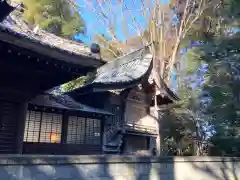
x,y
221,53
56,16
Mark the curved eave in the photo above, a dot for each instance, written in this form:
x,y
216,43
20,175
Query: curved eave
x,y
170,94
99,87
162,86
125,72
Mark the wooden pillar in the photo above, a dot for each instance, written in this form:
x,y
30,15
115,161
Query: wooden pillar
x,y
21,126
64,128
158,113
103,140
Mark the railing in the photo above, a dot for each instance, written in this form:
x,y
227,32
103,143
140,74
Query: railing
x,y
112,131
142,128
118,126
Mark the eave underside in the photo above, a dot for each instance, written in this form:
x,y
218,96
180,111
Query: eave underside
x,y
67,104
25,71
23,40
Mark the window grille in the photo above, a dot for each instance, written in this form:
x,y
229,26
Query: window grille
x,y
93,131
83,131
76,130
43,127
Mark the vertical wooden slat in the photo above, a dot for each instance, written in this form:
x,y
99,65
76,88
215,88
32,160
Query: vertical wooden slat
x,y
40,127
21,127
101,135
65,120
8,120
85,135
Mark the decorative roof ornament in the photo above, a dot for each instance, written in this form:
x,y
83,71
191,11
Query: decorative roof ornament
x,y
95,48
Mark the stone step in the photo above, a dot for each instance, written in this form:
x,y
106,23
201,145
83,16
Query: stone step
x,y
113,147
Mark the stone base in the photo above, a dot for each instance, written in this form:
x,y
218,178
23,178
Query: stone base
x,y
21,167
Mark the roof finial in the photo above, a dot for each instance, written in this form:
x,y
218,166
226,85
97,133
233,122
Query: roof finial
x,y
95,48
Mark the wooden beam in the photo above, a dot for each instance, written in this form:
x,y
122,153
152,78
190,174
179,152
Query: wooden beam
x,y
21,126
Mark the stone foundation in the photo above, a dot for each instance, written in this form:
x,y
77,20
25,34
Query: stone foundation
x,y
31,167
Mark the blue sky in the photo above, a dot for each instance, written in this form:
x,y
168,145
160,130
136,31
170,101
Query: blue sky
x,y
94,25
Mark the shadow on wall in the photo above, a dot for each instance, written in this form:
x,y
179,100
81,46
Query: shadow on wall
x,y
84,168
221,169
148,169
44,169
117,168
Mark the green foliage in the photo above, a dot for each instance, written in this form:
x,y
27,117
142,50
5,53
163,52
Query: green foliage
x,y
56,16
221,51
223,58
77,83
221,15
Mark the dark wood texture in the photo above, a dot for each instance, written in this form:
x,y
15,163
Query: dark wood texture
x,y
29,73
8,126
61,149
20,127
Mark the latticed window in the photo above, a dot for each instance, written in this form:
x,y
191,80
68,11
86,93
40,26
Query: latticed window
x,y
93,131
76,130
43,127
83,131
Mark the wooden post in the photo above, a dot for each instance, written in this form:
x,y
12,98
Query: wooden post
x,y
64,128
21,126
102,134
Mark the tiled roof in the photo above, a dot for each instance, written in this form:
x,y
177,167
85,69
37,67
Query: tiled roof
x,y
124,70
64,102
16,26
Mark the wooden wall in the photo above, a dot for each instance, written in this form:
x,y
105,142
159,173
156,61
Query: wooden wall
x,y
12,114
137,110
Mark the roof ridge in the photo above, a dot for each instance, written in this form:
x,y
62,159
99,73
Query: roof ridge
x,y
118,60
139,49
16,25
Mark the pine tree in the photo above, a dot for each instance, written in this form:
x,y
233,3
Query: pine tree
x,y
56,16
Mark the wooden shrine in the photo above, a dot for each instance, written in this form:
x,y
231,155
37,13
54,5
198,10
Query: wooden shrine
x,y
30,64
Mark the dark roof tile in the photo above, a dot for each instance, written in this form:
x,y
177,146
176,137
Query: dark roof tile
x,y
15,25
65,102
128,69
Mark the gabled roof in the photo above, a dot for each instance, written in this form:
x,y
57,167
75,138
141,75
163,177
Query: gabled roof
x,y
124,72
64,102
16,31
